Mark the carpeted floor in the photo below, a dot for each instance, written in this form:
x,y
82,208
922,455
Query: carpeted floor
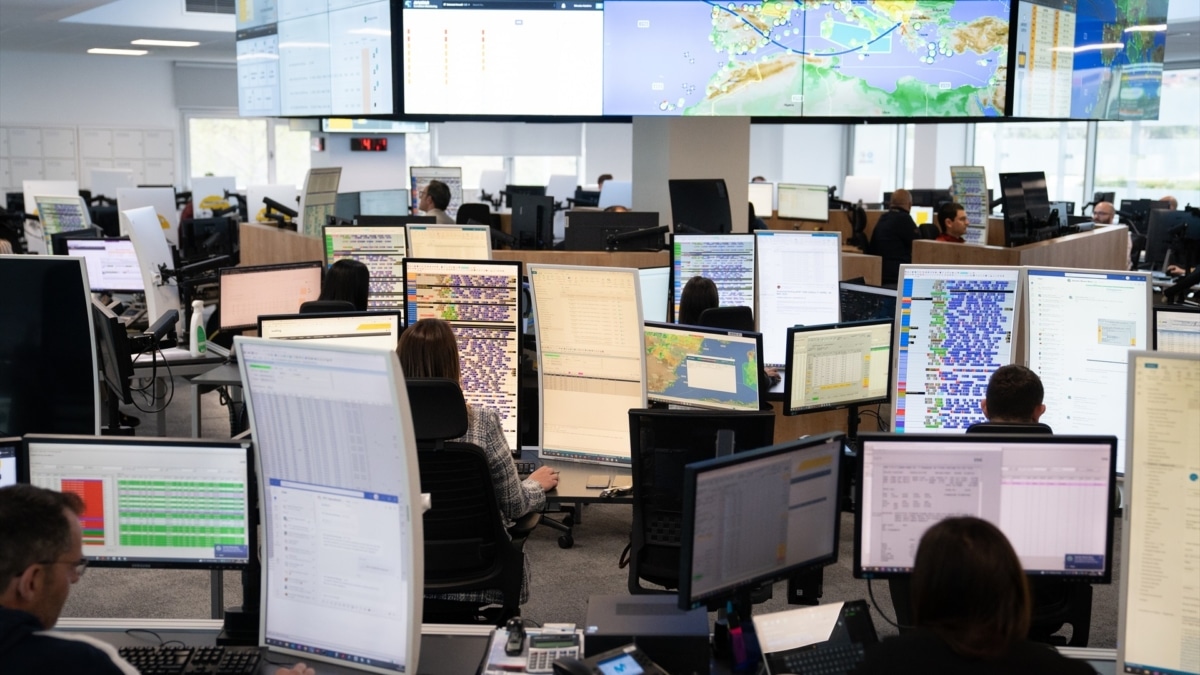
x,y
562,579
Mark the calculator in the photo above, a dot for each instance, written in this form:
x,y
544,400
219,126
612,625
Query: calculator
x,y
546,648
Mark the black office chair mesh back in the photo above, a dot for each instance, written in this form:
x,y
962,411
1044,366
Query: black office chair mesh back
x,y
479,213
733,318
662,443
466,545
1009,428
326,306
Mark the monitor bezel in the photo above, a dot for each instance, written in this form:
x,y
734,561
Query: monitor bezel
x,y
788,369
677,265
715,332
156,442
824,188
1009,439
223,272
1168,309
688,519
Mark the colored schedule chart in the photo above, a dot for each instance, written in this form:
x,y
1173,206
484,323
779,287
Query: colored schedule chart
x,y
727,259
480,301
956,328
382,249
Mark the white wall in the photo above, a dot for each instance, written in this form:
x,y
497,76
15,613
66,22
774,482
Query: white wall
x,y
609,149
364,170
814,154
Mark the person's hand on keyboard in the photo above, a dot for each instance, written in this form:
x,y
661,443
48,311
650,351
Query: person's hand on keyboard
x,y
298,669
546,477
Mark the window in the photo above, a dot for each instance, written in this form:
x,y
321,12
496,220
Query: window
x,y
875,153
256,151
1148,160
472,167
1058,148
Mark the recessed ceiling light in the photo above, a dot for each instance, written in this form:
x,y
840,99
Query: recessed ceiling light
x,y
165,43
118,52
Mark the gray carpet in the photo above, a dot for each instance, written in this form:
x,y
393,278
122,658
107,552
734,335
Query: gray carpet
x,y
562,579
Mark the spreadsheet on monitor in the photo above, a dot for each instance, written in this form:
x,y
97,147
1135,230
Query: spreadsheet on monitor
x,y
249,292
803,202
1175,330
797,282
382,249
450,242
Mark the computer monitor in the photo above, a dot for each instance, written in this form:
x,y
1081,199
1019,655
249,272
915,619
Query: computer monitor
x,y
343,546
383,202
382,248
804,202
864,189
112,264
532,221
481,302
49,379
838,366
12,461
531,190
701,204
247,293
762,196
1177,329
376,221
1165,227
112,346
860,302
930,197
758,516
1160,534
378,330
590,230
591,360
450,242
1080,327
711,368
153,502
202,238
1025,195
348,206
797,282
586,197
922,215
419,177
727,259
62,214
1050,495
957,326
655,283
616,193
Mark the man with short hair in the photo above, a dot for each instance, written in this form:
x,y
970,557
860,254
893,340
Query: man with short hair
x,y
1014,396
952,221
893,236
1102,213
601,179
433,201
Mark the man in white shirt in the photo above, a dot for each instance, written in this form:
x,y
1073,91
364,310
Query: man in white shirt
x,y
433,201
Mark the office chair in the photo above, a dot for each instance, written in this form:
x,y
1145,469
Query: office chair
x,y
1009,428
326,306
734,318
479,213
929,231
662,442
467,548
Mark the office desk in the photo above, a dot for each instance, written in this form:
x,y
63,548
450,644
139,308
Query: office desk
x,y
177,362
224,375
1102,248
572,487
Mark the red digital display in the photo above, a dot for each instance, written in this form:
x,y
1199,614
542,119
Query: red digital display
x,y
368,144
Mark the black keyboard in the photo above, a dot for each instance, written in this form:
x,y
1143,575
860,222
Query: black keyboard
x,y
825,659
185,660
526,468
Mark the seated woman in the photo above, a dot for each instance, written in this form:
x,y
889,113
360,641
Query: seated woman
x,y
428,349
698,294
347,280
970,603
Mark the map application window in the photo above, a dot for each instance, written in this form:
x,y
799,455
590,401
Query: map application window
x,y
727,259
703,368
382,249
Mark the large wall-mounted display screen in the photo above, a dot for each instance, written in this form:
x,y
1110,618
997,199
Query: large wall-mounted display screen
x,y
926,58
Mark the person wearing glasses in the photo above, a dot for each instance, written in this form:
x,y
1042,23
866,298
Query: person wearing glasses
x,y
433,202
41,556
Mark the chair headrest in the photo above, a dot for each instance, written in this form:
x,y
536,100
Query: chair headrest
x,y
324,306
438,409
734,318
1009,428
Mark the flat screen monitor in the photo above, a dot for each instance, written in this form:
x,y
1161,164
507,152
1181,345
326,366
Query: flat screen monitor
x,y
797,283
1025,194
112,346
395,220
310,60
382,249
1160,535
957,325
1080,327
758,516
804,202
419,177
342,537
112,264
348,205
532,221
591,360
727,259
701,204
762,196
1050,495
58,241
48,370
481,302
450,242
202,238
922,215
153,502
860,302
655,284
383,202
1100,60
616,193
1163,229
590,230
865,189
62,214
247,293
377,330
12,462
530,190
1177,329
711,368
838,366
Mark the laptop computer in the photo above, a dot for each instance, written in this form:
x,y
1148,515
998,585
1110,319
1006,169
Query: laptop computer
x,y
827,638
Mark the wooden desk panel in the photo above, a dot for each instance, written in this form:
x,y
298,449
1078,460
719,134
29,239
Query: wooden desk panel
x,y
269,245
862,265
1102,248
638,259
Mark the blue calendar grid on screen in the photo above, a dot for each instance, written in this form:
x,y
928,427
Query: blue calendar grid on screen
x,y
956,328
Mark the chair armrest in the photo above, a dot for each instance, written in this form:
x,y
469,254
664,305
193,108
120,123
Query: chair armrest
x,y
525,525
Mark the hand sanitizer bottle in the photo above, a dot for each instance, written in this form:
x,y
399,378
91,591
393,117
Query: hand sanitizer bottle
x,y
197,340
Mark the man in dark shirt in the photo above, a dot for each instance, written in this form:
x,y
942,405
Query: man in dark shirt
x,y
893,236
952,219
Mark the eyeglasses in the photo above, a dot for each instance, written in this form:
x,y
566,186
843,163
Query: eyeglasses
x,y
80,566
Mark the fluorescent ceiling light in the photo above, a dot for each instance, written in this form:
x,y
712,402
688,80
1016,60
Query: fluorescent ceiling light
x,y
1148,28
118,52
1090,48
165,43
